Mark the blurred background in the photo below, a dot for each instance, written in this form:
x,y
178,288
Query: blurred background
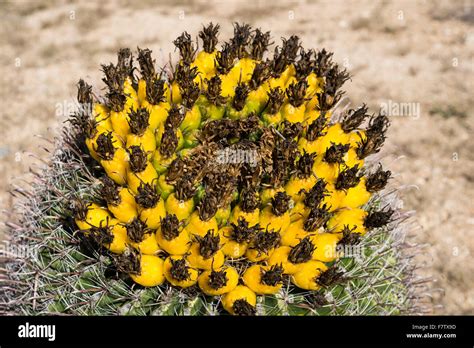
x,y
412,58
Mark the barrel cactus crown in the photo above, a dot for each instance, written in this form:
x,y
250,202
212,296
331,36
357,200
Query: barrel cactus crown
x,y
229,183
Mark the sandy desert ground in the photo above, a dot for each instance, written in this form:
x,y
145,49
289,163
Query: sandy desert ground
x,y
412,54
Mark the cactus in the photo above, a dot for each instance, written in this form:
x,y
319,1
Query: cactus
x,y
236,184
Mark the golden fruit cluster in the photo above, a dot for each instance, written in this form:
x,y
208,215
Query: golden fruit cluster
x,y
228,174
